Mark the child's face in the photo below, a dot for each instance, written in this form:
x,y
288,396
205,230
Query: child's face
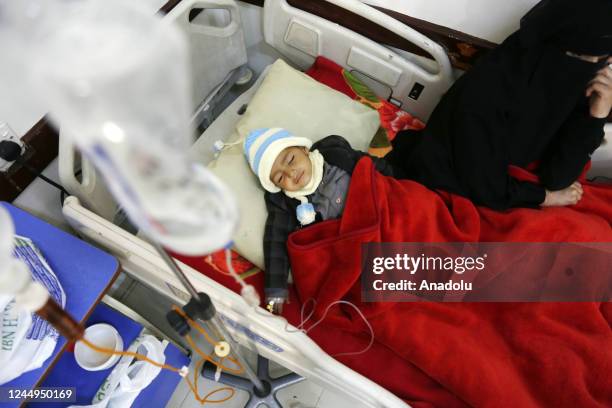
x,y
292,169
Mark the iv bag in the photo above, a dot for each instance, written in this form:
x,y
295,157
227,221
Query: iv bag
x,y
116,78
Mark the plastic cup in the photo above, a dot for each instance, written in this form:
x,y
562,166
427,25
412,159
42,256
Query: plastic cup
x,y
102,335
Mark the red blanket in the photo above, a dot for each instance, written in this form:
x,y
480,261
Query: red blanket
x,y
452,354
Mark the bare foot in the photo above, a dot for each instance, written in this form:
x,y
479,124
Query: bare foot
x,y
568,196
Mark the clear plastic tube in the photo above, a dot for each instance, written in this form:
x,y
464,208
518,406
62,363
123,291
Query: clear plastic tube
x,y
248,292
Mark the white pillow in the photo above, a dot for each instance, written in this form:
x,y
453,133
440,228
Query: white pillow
x,y
292,100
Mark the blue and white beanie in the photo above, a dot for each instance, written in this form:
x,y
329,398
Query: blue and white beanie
x,y
262,147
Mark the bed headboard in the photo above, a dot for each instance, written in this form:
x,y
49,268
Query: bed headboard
x,y
413,81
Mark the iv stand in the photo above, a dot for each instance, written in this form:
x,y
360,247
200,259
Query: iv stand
x,y
261,387
209,315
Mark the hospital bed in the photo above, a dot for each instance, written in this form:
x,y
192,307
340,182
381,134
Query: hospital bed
x,y
219,59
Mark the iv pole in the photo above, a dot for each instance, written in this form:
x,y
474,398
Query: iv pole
x,y
261,387
204,309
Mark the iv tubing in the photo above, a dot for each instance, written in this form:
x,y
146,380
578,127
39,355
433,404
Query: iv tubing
x,y
192,386
137,356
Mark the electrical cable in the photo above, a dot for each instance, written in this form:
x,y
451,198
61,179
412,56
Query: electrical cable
x,y
38,174
300,327
302,320
360,314
51,182
11,152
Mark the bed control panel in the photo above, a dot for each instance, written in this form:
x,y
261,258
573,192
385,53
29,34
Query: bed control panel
x,y
416,91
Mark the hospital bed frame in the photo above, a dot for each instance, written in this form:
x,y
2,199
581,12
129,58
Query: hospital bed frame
x,y
299,37
267,335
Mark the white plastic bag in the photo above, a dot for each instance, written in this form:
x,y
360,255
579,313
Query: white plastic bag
x,y
14,325
27,339
128,378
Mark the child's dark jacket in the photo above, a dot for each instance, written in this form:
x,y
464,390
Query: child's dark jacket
x,y
282,219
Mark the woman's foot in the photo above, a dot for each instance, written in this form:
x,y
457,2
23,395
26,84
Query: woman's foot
x,y
568,196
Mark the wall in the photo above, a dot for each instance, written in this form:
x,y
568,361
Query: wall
x,y
259,54
491,20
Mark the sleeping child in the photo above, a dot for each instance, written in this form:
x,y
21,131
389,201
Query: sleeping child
x,y
305,183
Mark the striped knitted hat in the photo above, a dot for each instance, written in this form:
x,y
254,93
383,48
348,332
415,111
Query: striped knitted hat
x,y
262,146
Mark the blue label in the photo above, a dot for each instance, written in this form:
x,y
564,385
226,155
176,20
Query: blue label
x,y
25,251
251,334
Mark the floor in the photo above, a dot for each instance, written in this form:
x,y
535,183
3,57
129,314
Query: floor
x,y
301,395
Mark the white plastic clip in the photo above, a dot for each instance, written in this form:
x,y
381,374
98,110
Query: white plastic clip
x,y
218,147
184,371
249,294
218,374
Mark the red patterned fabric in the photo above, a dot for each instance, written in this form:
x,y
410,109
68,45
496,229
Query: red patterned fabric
x,y
392,118
215,267
457,354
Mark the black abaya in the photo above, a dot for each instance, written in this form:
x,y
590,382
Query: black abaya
x,y
523,102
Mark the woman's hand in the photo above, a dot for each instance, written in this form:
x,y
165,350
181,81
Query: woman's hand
x,y
600,92
568,196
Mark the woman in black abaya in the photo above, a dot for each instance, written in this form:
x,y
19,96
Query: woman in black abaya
x,y
542,95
